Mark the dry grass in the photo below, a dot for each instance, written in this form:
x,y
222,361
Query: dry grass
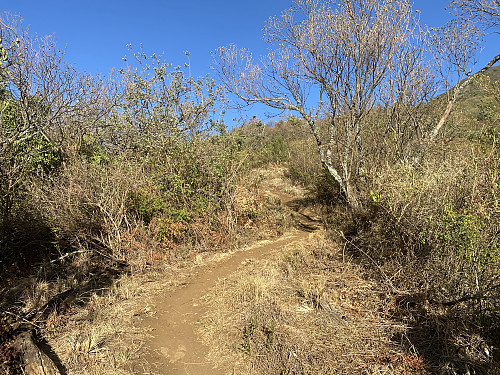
x,y
432,238
257,202
304,311
272,181
100,337
97,332
104,336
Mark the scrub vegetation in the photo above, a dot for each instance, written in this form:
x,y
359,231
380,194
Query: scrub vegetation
x,y
115,188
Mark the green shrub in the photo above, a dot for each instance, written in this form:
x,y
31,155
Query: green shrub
x,y
441,217
145,207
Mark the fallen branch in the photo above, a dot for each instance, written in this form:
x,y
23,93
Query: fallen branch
x,y
35,361
69,254
479,296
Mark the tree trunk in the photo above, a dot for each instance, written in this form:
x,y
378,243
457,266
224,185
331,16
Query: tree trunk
x,y
457,90
445,115
354,201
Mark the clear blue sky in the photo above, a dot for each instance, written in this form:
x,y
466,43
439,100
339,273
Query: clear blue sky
x,y
95,33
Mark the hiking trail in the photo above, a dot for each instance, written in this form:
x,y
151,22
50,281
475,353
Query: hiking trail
x,y
175,347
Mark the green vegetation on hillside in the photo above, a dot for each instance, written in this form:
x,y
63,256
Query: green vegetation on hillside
x,y
136,172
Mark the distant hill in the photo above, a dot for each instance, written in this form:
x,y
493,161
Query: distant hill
x,y
472,95
473,90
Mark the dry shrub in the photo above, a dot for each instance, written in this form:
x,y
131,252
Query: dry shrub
x,y
304,311
84,206
127,209
446,212
87,198
303,164
433,238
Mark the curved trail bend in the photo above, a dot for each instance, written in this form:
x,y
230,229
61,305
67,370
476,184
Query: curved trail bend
x,y
175,348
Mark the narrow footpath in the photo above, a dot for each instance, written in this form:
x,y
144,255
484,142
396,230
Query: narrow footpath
x,y
175,347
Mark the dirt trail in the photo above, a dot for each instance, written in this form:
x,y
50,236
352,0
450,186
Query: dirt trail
x,y
175,348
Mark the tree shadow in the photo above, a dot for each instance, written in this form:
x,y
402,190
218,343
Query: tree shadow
x,y
44,346
449,342
451,338
36,264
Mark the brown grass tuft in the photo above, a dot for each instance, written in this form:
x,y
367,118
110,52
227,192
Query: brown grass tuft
x,y
305,311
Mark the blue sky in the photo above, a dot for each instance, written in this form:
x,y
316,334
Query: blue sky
x,y
95,33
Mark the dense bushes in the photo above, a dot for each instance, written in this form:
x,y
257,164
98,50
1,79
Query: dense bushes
x,y
448,211
147,177
430,228
434,239
131,158
102,203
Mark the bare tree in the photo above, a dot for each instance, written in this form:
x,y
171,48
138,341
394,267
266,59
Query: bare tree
x,y
405,96
45,106
486,13
34,70
454,47
327,59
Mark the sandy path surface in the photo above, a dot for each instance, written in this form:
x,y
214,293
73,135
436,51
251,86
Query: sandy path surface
x,y
175,348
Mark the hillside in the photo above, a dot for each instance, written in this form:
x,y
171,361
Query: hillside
x,y
474,95
474,91
140,235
